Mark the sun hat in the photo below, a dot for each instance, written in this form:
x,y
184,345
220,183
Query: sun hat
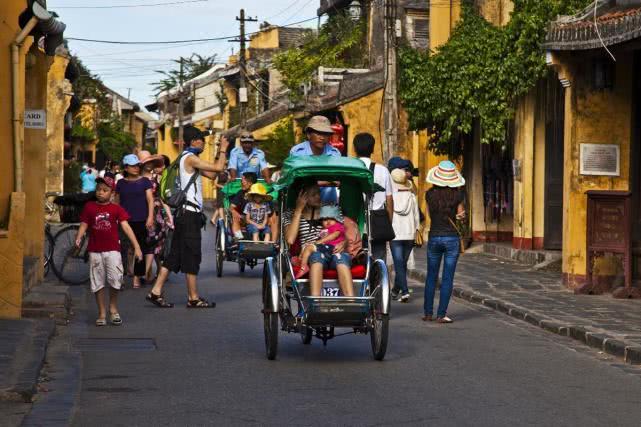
x,y
146,157
108,181
330,211
445,175
258,189
398,163
400,179
131,160
320,124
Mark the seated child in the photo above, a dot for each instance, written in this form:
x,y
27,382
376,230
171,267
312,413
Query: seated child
x,y
333,234
257,212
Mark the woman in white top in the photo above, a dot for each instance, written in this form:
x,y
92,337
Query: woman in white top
x,y
405,223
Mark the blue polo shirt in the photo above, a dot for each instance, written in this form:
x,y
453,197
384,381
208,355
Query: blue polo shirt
x,y
328,194
254,162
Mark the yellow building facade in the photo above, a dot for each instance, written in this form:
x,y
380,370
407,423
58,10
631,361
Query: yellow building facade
x,y
24,178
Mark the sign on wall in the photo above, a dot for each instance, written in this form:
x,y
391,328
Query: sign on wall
x,y
600,159
35,119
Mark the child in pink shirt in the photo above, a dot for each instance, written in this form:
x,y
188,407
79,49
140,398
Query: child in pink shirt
x,y
333,234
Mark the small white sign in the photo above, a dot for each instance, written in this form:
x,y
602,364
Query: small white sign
x,y
242,94
35,119
600,159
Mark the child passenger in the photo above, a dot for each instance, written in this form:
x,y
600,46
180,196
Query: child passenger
x,y
102,218
257,212
333,234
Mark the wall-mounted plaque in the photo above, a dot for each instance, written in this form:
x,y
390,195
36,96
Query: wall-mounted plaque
x,y
600,159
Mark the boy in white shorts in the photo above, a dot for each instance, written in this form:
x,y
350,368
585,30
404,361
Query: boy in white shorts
x,y
102,218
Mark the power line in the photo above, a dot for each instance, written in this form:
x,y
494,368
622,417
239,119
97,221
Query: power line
x,y
131,5
179,41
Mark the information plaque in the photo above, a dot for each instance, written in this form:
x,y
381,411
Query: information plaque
x,y
600,159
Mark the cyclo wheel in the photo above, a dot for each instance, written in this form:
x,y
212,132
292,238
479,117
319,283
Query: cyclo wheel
x,y
379,331
241,265
306,334
220,253
70,264
48,250
270,318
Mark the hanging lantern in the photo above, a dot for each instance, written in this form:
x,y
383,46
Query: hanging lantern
x,y
355,10
337,140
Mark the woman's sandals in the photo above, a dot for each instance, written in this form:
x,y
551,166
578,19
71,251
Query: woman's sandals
x,y
158,300
200,303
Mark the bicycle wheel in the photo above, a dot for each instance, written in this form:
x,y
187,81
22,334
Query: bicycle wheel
x,y
69,263
48,250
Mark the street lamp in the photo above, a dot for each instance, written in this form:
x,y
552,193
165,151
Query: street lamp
x,y
355,10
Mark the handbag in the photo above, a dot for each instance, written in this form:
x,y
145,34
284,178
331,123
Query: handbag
x,y
419,241
380,223
460,236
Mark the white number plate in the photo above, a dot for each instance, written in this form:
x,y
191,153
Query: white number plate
x,y
329,292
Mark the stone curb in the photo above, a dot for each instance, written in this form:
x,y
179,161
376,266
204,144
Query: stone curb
x,y
30,365
630,353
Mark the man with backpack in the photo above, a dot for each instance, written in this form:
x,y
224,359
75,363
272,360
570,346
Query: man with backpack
x,y
185,250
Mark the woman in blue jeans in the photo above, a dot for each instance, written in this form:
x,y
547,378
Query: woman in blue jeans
x,y
445,205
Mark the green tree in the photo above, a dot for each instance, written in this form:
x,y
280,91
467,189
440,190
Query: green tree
x,y
279,142
193,66
113,140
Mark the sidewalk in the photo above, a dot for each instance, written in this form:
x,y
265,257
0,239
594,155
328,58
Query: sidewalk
x,y
538,297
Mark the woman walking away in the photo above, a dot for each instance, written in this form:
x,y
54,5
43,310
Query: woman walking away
x,y
405,223
134,194
444,206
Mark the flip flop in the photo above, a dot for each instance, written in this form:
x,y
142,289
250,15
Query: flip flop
x,y
101,322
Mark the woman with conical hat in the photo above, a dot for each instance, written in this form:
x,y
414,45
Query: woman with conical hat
x,y
444,205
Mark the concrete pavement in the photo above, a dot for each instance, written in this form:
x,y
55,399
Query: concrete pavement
x,y
185,367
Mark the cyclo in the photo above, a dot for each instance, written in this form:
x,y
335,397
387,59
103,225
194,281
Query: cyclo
x,y
288,300
245,252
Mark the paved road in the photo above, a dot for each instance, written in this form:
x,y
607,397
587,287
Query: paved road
x,y
208,368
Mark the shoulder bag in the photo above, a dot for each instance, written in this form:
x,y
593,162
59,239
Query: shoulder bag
x,y
379,221
460,236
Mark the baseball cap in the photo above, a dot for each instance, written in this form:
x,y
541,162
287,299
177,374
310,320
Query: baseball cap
x,y
398,163
108,181
130,160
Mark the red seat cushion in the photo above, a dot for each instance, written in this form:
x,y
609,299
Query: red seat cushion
x,y
358,272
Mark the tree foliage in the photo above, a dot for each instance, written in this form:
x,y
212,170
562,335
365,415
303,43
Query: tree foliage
x,y
479,73
279,142
113,140
193,66
337,44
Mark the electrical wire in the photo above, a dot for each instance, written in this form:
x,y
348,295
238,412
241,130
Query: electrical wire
x,y
129,6
178,41
596,27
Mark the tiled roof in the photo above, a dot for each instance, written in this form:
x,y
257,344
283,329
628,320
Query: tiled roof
x,y
616,24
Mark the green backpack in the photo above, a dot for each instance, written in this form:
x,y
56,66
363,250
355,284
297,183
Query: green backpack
x,y
171,191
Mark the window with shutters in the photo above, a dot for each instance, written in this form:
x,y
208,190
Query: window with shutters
x,y
418,29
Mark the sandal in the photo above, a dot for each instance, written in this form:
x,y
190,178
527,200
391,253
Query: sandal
x,y
303,271
116,320
200,303
427,318
444,320
101,322
158,300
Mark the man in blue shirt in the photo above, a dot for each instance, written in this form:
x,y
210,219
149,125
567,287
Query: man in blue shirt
x,y
319,130
248,158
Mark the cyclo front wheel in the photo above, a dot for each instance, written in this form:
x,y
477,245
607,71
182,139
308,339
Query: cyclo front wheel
x,y
220,252
270,318
379,330
69,263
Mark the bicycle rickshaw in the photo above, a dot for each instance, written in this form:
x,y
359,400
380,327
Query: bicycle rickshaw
x,y
245,252
288,300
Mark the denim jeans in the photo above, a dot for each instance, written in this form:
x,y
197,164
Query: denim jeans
x,y
446,247
401,250
332,261
379,250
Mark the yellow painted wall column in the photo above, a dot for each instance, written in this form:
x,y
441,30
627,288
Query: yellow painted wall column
x,y
57,105
524,187
11,259
538,203
35,149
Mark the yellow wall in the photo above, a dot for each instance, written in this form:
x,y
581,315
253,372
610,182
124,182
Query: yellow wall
x,y
57,104
497,12
11,259
524,187
265,39
591,117
443,19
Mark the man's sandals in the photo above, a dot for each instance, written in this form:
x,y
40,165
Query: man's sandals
x,y
200,303
158,300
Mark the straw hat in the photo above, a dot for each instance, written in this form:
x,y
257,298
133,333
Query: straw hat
x,y
320,124
146,157
400,179
445,175
258,190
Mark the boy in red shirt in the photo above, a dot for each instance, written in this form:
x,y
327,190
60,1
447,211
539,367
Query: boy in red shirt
x,y
102,218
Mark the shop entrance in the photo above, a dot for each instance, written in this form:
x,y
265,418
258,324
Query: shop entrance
x,y
635,167
554,124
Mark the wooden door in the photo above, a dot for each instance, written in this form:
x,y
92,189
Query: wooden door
x,y
635,167
554,124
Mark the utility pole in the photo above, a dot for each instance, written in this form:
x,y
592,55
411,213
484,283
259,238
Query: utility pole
x,y
181,106
242,91
390,105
